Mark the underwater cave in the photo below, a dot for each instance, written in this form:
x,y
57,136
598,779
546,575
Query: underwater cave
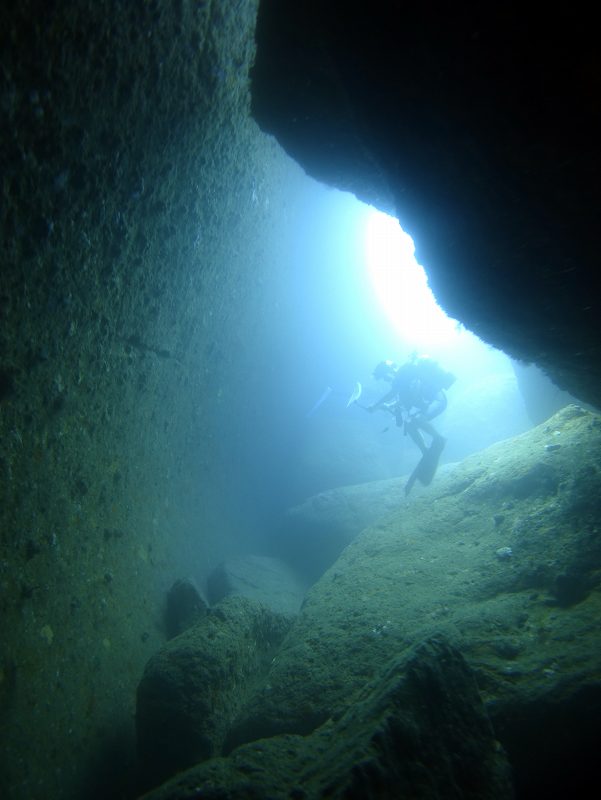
x,y
220,575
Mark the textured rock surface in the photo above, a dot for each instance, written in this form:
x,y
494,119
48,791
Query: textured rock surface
x,y
419,730
264,579
314,533
132,173
193,688
478,126
184,607
526,622
149,295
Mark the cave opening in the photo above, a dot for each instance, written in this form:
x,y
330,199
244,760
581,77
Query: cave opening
x,y
353,295
186,316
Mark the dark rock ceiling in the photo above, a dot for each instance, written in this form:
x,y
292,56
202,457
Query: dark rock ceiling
x,y
479,125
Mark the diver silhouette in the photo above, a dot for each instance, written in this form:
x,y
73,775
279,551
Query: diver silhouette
x,y
416,397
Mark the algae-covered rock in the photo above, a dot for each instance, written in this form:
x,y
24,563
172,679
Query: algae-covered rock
x,y
501,558
502,555
418,731
267,580
194,686
315,532
184,607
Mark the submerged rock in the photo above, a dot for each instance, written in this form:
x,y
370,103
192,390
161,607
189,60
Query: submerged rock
x,y
185,606
193,688
315,532
417,731
527,624
267,580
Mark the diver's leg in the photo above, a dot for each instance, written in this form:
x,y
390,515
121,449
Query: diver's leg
x,y
426,426
426,469
424,421
413,431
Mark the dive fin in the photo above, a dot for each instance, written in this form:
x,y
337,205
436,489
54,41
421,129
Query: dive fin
x,y
427,465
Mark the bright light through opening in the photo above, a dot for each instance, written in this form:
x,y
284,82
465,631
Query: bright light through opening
x,y
401,285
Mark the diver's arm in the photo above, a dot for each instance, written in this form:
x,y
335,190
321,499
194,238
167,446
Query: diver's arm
x,y
388,397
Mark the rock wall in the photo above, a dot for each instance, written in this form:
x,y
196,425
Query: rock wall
x,y
136,279
478,128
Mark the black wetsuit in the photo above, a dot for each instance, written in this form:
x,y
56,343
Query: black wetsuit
x,y
419,387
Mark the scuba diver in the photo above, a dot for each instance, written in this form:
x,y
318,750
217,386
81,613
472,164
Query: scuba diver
x,y
416,397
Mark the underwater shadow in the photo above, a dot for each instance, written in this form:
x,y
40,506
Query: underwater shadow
x,y
112,771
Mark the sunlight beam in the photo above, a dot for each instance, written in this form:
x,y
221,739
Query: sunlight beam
x,y
401,285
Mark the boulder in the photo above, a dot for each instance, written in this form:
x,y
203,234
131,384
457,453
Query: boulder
x,y
315,532
193,688
484,410
502,555
499,560
419,730
267,580
185,606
